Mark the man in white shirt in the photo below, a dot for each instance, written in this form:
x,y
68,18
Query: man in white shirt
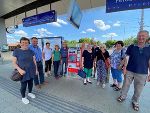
x,y
47,56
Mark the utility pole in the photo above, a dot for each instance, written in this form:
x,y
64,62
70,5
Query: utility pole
x,y
142,20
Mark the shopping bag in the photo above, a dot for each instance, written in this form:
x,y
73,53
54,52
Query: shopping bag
x,y
81,73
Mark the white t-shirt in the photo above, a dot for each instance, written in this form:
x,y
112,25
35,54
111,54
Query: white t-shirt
x,y
48,53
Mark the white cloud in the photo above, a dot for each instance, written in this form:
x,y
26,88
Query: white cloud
x,y
117,24
90,30
59,23
100,24
110,35
56,24
36,35
43,32
83,32
21,33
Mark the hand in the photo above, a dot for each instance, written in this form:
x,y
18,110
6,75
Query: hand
x,y
60,61
81,67
36,72
22,72
148,78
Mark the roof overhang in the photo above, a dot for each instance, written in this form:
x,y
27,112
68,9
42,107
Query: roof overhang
x,y
16,10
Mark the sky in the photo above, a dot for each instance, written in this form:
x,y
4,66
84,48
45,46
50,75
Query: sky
x,y
95,23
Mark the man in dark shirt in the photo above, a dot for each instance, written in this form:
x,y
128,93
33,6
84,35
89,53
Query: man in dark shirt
x,y
137,68
95,50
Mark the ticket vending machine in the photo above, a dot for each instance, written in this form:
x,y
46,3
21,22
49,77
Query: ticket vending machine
x,y
74,59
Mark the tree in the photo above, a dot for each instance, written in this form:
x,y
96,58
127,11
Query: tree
x,y
85,40
130,40
110,43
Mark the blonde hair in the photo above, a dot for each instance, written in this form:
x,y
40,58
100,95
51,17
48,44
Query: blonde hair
x,y
102,45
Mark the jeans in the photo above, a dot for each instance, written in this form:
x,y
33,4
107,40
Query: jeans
x,y
56,67
48,65
117,74
41,74
64,62
24,86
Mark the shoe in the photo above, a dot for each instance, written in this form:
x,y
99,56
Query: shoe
x,y
89,81
103,86
25,100
97,83
117,89
31,95
84,82
113,85
38,86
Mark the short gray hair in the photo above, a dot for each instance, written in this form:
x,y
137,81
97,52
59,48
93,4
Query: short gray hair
x,y
144,31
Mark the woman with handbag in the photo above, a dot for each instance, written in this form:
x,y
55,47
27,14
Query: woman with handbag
x,y
103,64
24,62
117,65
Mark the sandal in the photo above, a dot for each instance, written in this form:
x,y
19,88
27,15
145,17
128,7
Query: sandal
x,y
117,89
113,85
135,106
120,99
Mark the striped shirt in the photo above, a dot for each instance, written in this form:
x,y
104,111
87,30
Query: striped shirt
x,y
37,51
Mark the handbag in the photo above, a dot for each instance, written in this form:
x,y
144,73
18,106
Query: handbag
x,y
121,65
16,76
107,63
81,73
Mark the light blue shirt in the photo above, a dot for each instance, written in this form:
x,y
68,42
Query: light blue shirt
x,y
37,51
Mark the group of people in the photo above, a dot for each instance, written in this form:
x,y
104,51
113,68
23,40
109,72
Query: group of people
x,y
132,62
28,60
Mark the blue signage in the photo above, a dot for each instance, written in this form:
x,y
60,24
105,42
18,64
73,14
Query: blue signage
x,y
121,5
38,19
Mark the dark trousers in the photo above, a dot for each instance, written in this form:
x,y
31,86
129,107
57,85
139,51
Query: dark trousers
x,y
24,86
56,67
39,77
48,64
64,62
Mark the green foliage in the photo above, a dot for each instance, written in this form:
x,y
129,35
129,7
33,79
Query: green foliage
x,y
130,40
85,40
110,43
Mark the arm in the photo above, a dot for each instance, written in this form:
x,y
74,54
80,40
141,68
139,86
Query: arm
x,y
43,55
52,58
149,72
35,65
14,60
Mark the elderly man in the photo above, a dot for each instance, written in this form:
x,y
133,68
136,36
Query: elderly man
x,y
137,69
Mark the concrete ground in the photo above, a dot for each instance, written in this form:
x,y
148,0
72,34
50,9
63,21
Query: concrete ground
x,y
66,95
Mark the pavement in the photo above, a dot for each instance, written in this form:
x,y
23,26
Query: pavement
x,y
66,95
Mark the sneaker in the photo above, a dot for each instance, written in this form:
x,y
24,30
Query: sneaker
x,y
103,86
25,100
31,95
97,83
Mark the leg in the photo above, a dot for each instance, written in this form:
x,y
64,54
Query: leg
x,y
36,77
30,85
46,66
66,64
55,66
23,88
50,64
98,72
139,82
62,67
126,84
119,79
114,77
86,71
89,75
41,74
